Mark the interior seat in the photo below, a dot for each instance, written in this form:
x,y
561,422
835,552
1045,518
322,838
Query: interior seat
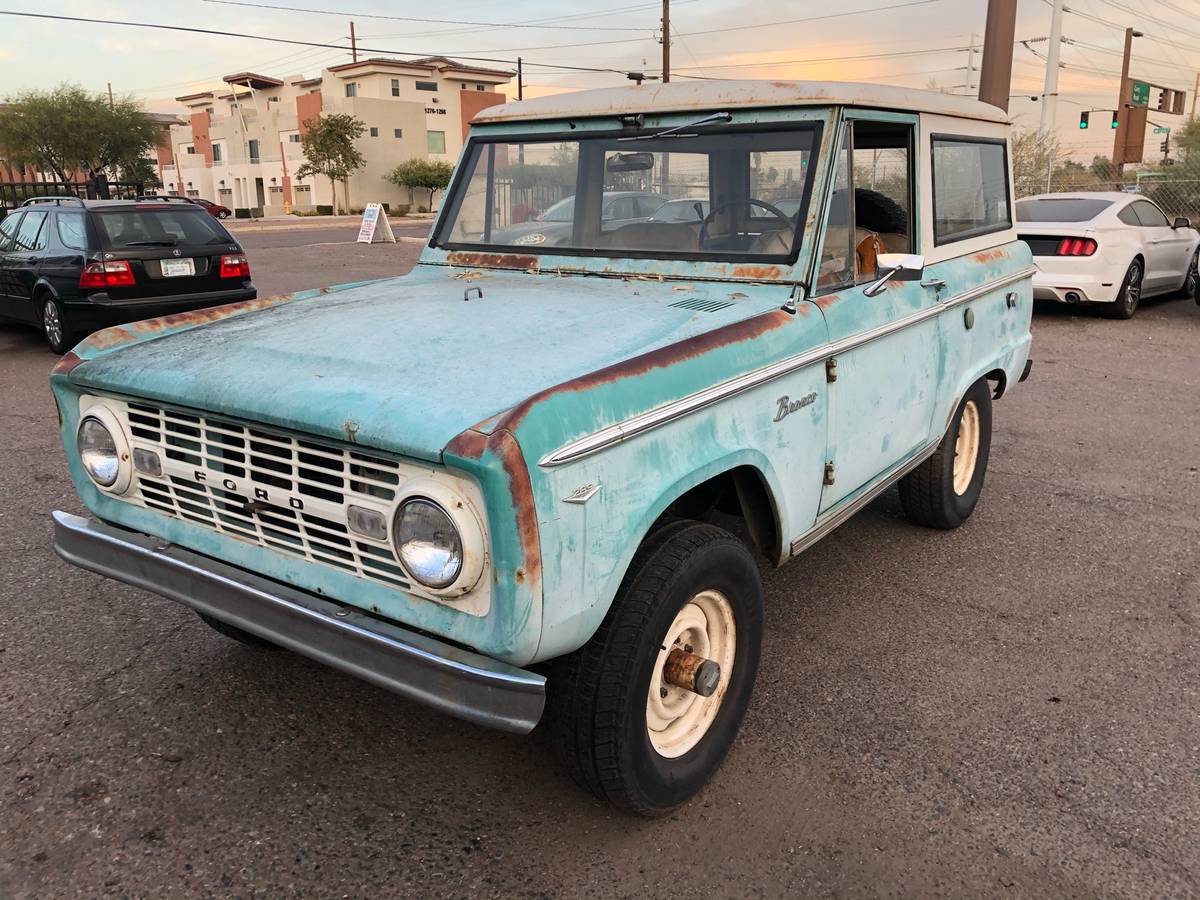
x,y
656,236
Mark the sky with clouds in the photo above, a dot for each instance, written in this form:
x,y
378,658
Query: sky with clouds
x,y
919,43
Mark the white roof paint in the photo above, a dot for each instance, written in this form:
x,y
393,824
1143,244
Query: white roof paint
x,y
1114,196
681,96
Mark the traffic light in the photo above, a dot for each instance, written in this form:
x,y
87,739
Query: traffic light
x,y
1164,99
1165,146
1083,119
1116,119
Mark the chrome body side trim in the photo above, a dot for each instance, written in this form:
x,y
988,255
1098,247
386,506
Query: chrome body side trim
x,y
829,521
449,679
639,424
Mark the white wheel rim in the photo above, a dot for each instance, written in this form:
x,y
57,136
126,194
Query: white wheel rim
x,y
676,718
966,448
51,322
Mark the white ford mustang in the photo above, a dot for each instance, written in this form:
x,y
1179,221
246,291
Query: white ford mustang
x,y
1107,248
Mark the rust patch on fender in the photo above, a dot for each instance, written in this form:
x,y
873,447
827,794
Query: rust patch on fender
x,y
69,361
492,260
757,273
472,445
987,256
827,301
737,333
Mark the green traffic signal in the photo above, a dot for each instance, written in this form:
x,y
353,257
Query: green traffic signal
x,y
1116,119
1083,119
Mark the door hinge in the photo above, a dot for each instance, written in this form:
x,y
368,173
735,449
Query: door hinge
x,y
831,370
829,473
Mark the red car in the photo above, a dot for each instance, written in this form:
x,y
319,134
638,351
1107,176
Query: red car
x,y
221,212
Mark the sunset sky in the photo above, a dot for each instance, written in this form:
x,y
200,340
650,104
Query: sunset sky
x,y
918,43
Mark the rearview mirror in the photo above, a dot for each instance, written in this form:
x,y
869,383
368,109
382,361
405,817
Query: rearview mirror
x,y
1182,222
630,162
895,267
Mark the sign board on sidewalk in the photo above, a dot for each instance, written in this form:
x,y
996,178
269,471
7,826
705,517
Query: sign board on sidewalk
x,y
375,228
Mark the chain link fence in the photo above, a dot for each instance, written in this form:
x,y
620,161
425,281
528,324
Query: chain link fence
x,y
1177,196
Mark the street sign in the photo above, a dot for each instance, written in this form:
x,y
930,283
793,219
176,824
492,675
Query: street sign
x,y
1141,94
1161,130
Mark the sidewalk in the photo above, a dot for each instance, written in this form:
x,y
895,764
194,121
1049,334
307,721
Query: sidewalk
x,y
281,223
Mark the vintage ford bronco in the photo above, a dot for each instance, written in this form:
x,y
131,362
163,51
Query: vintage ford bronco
x,y
535,471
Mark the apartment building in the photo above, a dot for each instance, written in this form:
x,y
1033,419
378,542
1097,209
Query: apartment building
x,y
241,147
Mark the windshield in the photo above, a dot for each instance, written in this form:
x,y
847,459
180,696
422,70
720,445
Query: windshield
x,y
1066,209
158,226
719,194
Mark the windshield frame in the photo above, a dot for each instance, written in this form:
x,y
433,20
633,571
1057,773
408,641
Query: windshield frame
x,y
811,120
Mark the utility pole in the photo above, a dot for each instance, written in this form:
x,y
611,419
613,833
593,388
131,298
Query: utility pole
x,y
520,80
995,74
1195,91
666,41
1050,92
353,45
111,105
1123,107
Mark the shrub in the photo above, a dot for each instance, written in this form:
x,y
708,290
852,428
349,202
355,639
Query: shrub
x,y
402,209
422,209
241,213
323,210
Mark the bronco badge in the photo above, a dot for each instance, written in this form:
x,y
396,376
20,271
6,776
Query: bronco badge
x,y
787,405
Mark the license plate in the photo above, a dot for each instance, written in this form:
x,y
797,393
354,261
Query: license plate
x,y
173,268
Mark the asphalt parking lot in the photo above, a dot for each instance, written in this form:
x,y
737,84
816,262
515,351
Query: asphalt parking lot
x,y
1008,710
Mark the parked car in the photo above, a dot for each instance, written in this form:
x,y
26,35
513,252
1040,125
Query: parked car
x,y
1112,249
618,208
688,209
71,266
214,209
508,495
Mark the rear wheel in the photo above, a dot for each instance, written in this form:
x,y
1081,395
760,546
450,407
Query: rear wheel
x,y
1130,294
1191,284
55,325
942,492
644,713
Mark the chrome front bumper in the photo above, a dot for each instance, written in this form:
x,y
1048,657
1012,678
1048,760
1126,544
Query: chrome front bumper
x,y
442,676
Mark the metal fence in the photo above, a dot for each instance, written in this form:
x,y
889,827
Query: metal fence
x,y
14,193
1177,196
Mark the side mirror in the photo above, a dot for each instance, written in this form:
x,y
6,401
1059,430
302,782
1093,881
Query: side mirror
x,y
895,267
1182,222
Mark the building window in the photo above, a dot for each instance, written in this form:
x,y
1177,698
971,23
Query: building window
x,y
275,189
463,86
480,87
216,150
293,138
435,141
193,193
374,132
395,87
426,85
351,89
398,133
303,189
253,148
189,150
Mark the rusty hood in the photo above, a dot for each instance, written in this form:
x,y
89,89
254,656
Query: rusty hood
x,y
406,364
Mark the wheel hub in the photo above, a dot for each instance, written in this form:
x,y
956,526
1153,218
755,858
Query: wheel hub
x,y
695,657
966,448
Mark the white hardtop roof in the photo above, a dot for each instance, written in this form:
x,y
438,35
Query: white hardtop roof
x,y
1113,196
682,96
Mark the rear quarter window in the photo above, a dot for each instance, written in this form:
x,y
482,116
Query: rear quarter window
x,y
72,230
970,188
132,227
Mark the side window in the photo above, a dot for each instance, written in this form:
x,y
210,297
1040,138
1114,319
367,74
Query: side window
x,y
837,251
621,208
970,188
1129,215
1150,215
8,227
648,205
27,234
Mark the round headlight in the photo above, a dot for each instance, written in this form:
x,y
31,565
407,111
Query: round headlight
x,y
98,452
428,542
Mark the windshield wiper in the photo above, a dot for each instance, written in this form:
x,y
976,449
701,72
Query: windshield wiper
x,y
712,119
151,243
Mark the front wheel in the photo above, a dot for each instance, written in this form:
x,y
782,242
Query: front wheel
x,y
943,490
644,713
1130,294
222,215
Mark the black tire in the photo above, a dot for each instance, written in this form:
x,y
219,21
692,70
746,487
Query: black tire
x,y
1130,294
237,634
1191,283
927,493
598,695
223,215
56,328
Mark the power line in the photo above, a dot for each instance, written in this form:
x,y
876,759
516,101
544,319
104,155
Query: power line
x,y
793,62
361,15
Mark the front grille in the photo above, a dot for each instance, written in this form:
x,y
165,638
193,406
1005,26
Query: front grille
x,y
299,490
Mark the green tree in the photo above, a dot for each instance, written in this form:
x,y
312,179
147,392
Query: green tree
x,y
68,129
1186,142
141,171
424,174
1102,168
329,150
1033,153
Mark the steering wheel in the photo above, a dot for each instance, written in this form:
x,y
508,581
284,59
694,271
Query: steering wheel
x,y
702,238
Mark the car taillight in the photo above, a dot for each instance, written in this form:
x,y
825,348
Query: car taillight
x,y
234,265
1076,247
107,274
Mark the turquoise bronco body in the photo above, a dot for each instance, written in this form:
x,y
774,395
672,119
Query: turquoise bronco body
x,y
579,397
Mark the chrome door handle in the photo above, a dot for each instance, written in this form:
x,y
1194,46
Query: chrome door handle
x,y
935,283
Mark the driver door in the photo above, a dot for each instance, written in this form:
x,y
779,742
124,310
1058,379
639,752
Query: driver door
x,y
881,387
